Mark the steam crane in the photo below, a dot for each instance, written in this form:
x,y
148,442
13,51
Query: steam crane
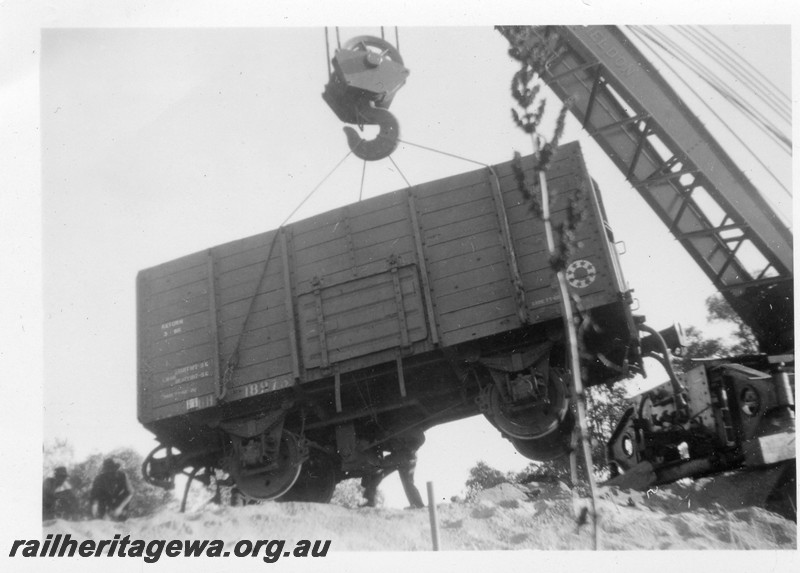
x,y
737,412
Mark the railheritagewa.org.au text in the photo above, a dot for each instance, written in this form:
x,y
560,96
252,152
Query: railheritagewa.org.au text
x,y
269,550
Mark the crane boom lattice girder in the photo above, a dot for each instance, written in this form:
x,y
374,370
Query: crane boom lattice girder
x,y
680,170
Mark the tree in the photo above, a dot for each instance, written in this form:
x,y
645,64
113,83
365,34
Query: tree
x,y
482,476
744,341
605,405
534,471
533,53
56,454
699,346
604,408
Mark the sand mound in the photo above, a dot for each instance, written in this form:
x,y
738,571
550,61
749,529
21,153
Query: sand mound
x,y
529,516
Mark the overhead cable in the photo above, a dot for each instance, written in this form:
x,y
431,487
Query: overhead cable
x,y
717,84
758,72
647,41
731,62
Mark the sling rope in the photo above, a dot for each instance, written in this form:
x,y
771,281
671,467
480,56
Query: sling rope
x,y
233,360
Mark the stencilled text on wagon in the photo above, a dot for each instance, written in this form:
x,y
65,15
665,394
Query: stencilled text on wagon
x,y
189,373
172,327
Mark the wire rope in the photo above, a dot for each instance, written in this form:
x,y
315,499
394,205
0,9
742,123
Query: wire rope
x,y
328,52
769,171
696,94
708,76
444,153
363,174
314,190
732,64
712,79
645,37
742,76
737,93
776,89
399,171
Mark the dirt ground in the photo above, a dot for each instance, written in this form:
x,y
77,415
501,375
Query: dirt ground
x,y
535,516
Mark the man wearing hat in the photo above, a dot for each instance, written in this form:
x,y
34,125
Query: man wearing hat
x,y
51,493
111,492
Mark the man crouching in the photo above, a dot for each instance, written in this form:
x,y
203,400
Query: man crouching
x,y
111,492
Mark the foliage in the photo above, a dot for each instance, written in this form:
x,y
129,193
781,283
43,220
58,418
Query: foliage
x,y
699,346
542,472
720,311
350,494
482,476
532,55
55,454
532,48
605,406
147,499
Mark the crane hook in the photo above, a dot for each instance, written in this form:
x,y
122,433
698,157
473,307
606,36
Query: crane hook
x,y
384,143
367,72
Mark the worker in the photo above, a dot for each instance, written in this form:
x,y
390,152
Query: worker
x,y
370,483
111,492
403,458
57,497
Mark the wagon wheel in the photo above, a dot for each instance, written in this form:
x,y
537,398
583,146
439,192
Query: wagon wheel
x,y
271,483
531,419
158,468
316,482
550,446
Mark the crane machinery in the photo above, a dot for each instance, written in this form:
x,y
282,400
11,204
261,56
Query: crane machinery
x,y
722,414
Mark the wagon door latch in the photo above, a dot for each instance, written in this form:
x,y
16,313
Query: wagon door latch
x,y
367,72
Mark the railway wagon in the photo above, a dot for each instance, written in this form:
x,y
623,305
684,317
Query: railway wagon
x,y
321,350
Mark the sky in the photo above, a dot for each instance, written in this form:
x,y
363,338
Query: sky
x,y
157,142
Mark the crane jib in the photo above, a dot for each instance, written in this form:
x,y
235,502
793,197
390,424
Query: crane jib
x,y
681,171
